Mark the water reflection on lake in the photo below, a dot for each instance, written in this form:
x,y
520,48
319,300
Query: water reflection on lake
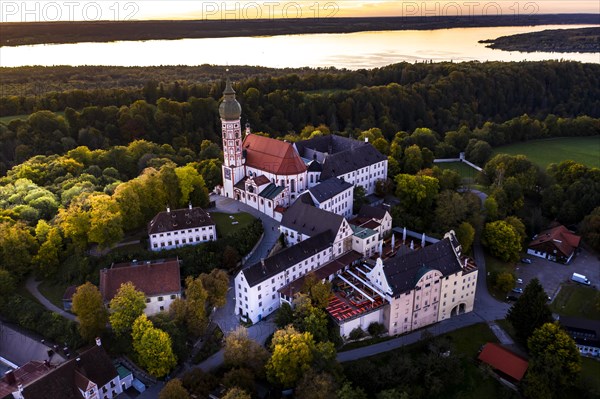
x,y
352,50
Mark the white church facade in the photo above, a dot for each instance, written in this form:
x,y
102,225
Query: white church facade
x,y
269,174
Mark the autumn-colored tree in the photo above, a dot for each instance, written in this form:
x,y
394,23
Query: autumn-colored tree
x,y
292,356
17,247
196,297
153,347
465,233
173,390
90,311
239,350
236,393
106,223
216,284
308,318
316,386
555,362
502,240
242,378
47,259
126,306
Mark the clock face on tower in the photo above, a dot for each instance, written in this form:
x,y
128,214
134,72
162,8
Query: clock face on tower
x,y
228,174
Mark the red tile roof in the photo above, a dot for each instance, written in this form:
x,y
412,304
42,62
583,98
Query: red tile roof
x,y
273,156
559,236
503,360
152,278
261,180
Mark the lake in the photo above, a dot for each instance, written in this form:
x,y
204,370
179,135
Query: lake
x,y
349,50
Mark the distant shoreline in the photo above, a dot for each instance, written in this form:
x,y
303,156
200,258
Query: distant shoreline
x,y
582,40
18,33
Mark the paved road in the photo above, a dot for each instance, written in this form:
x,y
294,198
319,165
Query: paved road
x,y
486,309
32,287
225,316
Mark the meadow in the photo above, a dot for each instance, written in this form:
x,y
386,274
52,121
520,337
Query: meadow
x,y
585,150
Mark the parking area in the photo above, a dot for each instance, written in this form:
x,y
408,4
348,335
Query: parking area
x,y
552,275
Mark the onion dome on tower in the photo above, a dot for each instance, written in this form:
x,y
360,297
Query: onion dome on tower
x,y
229,109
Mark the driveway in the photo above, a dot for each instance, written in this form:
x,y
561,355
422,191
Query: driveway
x,y
32,287
552,275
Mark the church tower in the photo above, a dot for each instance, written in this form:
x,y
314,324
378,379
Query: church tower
x,y
233,161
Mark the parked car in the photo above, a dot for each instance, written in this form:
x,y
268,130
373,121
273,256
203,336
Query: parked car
x,y
526,260
511,297
519,281
518,290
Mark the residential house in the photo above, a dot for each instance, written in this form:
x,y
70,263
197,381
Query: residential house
x,y
180,227
585,333
159,280
90,375
557,244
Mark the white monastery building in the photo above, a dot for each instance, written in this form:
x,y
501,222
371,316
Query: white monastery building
x,y
180,227
270,174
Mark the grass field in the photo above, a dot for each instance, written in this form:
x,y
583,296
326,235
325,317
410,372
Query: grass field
x,y
464,170
225,222
578,301
496,266
584,150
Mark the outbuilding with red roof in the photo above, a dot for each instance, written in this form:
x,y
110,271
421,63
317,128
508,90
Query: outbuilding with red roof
x,y
557,244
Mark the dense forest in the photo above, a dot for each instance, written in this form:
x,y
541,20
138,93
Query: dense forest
x,y
582,40
402,97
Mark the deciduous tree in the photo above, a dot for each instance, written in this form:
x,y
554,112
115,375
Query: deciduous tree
x,y
174,390
316,386
236,393
216,284
241,351
196,297
502,240
90,311
126,306
152,347
555,362
465,233
505,282
292,356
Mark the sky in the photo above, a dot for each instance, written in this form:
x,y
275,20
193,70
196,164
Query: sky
x,y
65,10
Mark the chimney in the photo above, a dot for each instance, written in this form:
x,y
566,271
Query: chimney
x,y
98,341
168,209
190,205
366,139
264,268
248,129
10,377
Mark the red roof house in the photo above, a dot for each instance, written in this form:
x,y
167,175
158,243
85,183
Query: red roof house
x,y
271,155
557,244
159,280
507,363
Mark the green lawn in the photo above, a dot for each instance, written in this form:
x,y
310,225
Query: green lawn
x,y
584,150
578,301
467,342
54,293
464,170
225,222
494,267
